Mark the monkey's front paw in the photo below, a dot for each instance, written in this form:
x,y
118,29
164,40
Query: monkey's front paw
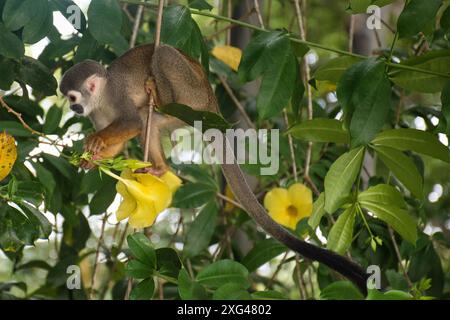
x,y
94,144
86,165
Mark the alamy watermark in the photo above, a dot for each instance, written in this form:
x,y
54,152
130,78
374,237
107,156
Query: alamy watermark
x,y
73,281
74,16
374,20
374,280
250,146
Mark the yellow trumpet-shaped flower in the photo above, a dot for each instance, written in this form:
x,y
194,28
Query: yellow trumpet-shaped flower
x,y
144,196
289,206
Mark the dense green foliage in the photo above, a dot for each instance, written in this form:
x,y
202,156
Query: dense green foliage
x,y
381,185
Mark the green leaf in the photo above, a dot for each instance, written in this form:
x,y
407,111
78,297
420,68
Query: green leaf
x,y
17,14
222,272
341,290
414,140
257,55
263,252
403,168
445,19
333,70
168,263
320,130
193,195
144,290
10,44
105,23
190,289
388,295
45,177
399,219
200,5
61,164
104,196
87,48
416,16
38,264
365,93
177,26
318,212
210,120
231,291
201,230
37,218
30,191
40,23
38,76
268,295
15,129
445,99
340,178
52,119
436,61
142,249
278,82
383,194
7,70
341,234
270,54
138,270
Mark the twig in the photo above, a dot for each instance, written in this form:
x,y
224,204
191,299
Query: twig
x,y
269,13
97,254
280,265
301,285
237,204
306,76
295,39
19,117
26,126
351,33
258,13
236,101
229,15
151,103
399,257
291,147
137,24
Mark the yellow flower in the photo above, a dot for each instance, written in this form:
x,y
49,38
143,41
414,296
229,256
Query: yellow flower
x,y
144,196
231,56
289,206
229,207
8,154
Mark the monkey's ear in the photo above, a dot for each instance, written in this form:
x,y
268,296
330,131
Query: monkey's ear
x,y
93,83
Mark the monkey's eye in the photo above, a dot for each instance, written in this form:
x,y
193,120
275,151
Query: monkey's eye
x,y
72,98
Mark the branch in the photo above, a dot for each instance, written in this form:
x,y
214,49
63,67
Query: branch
x,y
236,101
97,254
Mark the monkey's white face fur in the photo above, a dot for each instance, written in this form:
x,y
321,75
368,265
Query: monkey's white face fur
x,y
89,98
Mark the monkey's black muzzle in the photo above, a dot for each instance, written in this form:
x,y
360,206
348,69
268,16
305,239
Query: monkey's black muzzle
x,y
77,108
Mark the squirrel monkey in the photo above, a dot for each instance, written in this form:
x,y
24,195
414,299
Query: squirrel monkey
x,y
116,101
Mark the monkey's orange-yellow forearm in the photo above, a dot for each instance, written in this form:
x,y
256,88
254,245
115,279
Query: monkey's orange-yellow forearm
x,y
118,133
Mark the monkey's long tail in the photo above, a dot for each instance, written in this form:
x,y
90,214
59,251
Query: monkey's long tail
x,y
236,179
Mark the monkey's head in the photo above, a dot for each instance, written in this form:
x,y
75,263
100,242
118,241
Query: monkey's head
x,y
82,85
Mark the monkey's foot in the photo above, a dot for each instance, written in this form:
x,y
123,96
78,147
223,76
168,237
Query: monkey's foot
x,y
158,172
